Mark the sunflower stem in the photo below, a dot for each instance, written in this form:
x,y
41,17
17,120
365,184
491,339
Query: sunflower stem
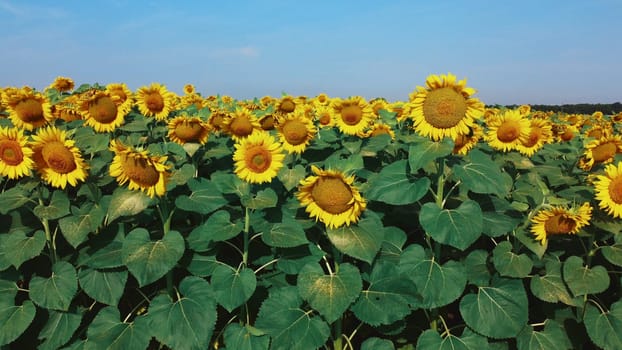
x,y
338,324
166,216
247,227
50,240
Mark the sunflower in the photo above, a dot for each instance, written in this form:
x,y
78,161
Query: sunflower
x,y
560,221
564,133
601,151
57,160
321,99
445,108
599,130
378,104
155,101
268,122
122,96
143,171
324,116
258,158
15,155
296,131
28,109
190,100
62,84
267,101
68,109
241,123
101,112
378,128
508,130
183,129
330,197
609,190
352,115
465,142
540,134
286,104
524,110
400,109
189,89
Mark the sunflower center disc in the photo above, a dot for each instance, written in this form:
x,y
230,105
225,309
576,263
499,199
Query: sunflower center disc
x,y
11,152
324,119
604,152
615,190
287,106
559,224
267,122
332,195
154,102
258,159
295,132
534,136
189,131
104,110
241,126
29,110
508,131
58,157
444,108
141,171
351,114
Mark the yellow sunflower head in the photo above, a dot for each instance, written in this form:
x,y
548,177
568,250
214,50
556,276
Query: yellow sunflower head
x,y
101,112
183,129
143,172
609,190
507,130
599,130
68,109
121,95
465,142
287,104
189,89
559,220
28,109
379,128
191,100
240,124
540,134
15,155
444,108
401,110
155,101
57,160
324,116
62,84
258,158
330,197
352,115
296,132
564,132
601,151
378,104
321,99
524,110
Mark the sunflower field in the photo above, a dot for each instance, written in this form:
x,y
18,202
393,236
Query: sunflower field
x,y
151,220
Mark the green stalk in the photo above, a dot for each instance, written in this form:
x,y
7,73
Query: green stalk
x,y
50,241
337,326
247,227
166,216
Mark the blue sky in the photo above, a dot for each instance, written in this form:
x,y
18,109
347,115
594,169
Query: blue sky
x,y
528,51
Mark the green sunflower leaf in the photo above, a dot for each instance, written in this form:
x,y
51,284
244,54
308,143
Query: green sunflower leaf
x,y
13,198
205,197
218,227
149,260
108,332
584,280
481,174
291,177
232,287
84,220
604,328
551,287
361,241
509,264
552,337
15,319
19,247
392,186
377,344
126,203
286,234
58,207
265,198
186,323
430,339
496,311
425,151
330,295
613,253
458,227
58,330
56,291
476,265
106,287
203,264
245,337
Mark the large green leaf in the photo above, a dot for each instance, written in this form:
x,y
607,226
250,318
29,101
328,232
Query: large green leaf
x,y
126,203
377,344
240,337
289,326
149,260
498,223
19,247
14,319
232,287
613,253
104,255
205,197
389,297
56,291
458,227
438,284
286,234
550,287
58,207
107,331
509,264
218,227
527,239
290,177
476,265
392,186
59,328
604,328
425,151
203,265
497,311
482,175
361,241
430,339
552,337
265,198
186,323
584,280
13,198
107,287
332,294
84,220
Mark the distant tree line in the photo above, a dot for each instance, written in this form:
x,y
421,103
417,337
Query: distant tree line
x,y
579,108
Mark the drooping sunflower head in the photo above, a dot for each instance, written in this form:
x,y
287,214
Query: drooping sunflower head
x,y
609,190
258,158
15,154
524,110
184,129
57,160
352,115
507,130
465,142
601,151
141,170
540,134
62,84
599,130
101,112
330,197
155,101
296,131
68,109
559,220
28,109
240,124
444,107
